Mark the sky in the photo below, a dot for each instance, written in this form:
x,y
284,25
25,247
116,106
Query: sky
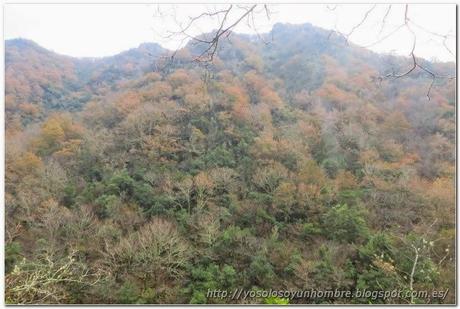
x,y
97,30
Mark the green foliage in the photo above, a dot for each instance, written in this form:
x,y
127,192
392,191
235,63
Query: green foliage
x,y
219,157
331,166
198,297
261,271
210,278
107,205
128,294
12,255
377,244
281,166
310,230
324,269
273,300
346,224
231,238
143,194
70,194
120,183
350,196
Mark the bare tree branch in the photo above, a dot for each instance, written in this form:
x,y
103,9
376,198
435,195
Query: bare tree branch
x,y
415,63
384,20
226,24
366,15
412,273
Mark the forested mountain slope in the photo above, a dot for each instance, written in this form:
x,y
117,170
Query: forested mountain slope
x,y
38,80
292,165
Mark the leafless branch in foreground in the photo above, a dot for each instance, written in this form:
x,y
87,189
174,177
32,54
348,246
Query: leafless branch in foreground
x,y
363,20
415,63
227,19
384,20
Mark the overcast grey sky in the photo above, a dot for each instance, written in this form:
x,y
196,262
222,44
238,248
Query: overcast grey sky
x,y
96,30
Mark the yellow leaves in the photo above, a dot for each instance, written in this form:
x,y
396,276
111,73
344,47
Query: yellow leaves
x,y
265,147
270,97
255,61
144,81
446,169
289,147
197,140
362,79
55,134
302,99
152,77
192,93
308,191
52,130
409,159
311,173
443,190
28,163
49,204
385,266
386,175
235,98
285,194
345,180
69,148
254,81
179,78
261,115
259,86
65,123
308,130
196,101
369,156
203,181
157,91
439,196
127,102
335,95
396,123
164,142
391,151
236,94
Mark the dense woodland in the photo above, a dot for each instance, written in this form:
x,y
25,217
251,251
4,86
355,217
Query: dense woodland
x,y
141,178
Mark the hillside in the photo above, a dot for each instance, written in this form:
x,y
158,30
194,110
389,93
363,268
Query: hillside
x,y
287,166
38,80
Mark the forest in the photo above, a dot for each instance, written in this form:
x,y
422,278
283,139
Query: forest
x,y
143,178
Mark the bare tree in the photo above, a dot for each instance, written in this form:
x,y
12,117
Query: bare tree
x,y
48,279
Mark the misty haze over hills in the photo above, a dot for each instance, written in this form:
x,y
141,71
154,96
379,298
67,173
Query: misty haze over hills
x,y
285,41
293,165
